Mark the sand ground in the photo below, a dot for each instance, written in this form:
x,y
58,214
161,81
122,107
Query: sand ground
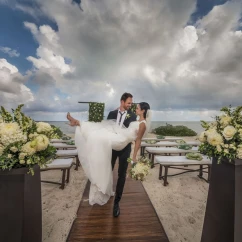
x,y
180,206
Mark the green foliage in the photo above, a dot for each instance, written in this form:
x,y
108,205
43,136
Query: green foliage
x,y
6,116
160,136
56,131
194,156
151,141
65,137
133,107
170,130
71,142
184,147
96,112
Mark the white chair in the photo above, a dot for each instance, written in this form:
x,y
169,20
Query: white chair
x,y
69,154
153,151
60,140
60,164
63,146
177,161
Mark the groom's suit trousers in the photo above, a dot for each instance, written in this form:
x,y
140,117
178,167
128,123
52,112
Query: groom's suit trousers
x,y
123,155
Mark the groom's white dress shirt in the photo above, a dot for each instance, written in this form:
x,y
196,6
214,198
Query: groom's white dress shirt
x,y
121,114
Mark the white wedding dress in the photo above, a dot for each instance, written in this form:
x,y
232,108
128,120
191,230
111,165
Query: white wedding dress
x,y
95,142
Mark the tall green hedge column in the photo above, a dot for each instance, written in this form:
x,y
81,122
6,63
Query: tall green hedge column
x,y
96,112
133,107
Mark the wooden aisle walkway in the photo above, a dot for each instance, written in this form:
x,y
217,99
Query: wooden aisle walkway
x,y
137,221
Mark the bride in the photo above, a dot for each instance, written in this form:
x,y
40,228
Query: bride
x,y
95,142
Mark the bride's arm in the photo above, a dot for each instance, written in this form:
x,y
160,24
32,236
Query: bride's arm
x,y
140,134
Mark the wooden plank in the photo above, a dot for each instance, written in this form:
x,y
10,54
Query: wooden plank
x,y
138,220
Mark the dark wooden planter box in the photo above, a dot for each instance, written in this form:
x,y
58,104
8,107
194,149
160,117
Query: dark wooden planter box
x,y
20,206
223,217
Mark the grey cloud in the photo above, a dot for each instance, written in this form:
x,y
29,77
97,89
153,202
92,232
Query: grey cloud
x,y
191,68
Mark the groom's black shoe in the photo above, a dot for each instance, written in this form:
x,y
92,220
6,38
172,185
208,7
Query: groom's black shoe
x,y
116,210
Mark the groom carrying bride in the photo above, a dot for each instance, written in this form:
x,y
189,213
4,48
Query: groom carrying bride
x,y
98,143
123,116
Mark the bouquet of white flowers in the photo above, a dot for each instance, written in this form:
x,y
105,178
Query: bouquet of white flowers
x,y
140,169
23,142
223,137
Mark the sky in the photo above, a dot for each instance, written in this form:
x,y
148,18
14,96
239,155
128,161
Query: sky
x,y
182,57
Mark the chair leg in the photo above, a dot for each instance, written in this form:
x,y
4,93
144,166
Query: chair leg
x,y
201,171
209,173
160,172
63,179
165,176
152,160
77,164
68,175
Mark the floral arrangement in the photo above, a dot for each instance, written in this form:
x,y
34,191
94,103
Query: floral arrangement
x,y
23,142
223,137
194,156
96,112
184,147
65,137
160,137
70,142
151,141
140,169
180,141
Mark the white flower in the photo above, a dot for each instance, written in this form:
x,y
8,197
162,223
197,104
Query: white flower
x,y
43,127
229,132
22,155
225,120
1,149
28,162
215,139
219,149
239,153
22,161
202,137
232,146
42,142
29,148
226,151
240,133
9,156
10,133
210,131
14,149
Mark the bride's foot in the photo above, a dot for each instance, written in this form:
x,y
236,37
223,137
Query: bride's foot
x,y
73,122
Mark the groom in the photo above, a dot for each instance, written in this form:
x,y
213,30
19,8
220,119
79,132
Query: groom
x,y
123,116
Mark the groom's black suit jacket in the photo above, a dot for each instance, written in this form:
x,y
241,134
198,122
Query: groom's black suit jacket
x,y
130,117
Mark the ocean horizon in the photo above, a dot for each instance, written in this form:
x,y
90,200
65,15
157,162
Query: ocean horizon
x,y
194,125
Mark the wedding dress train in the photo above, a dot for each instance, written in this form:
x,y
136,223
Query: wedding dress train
x,y
95,142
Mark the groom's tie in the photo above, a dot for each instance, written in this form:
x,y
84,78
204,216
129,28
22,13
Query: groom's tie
x,y
121,115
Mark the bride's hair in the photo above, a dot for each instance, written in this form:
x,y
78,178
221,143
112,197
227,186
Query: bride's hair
x,y
144,106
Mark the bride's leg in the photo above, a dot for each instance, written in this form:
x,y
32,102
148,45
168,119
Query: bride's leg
x,y
73,122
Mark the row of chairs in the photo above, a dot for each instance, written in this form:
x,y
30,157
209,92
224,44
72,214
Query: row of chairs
x,y
67,156
167,155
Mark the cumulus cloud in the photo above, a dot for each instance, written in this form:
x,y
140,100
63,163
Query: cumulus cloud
x,y
12,88
9,51
143,47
